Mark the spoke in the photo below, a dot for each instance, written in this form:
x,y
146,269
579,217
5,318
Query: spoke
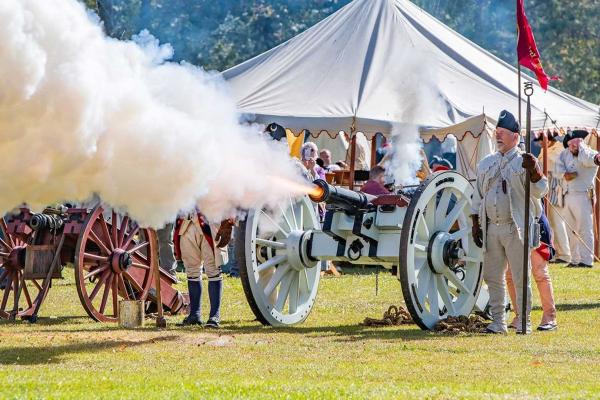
x,y
470,259
122,287
6,246
6,235
292,206
95,272
105,231
105,294
95,257
284,290
456,282
101,282
26,291
420,247
422,228
270,243
454,214
294,294
285,218
280,272
142,258
429,214
138,265
303,284
99,242
432,295
423,285
37,285
4,254
461,233
138,247
113,229
301,217
419,263
124,225
275,224
444,292
442,206
115,292
271,263
130,237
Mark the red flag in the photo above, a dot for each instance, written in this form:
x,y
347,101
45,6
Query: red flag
x,y
527,51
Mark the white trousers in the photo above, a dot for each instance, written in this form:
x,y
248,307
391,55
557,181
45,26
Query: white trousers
x,y
559,229
503,247
578,214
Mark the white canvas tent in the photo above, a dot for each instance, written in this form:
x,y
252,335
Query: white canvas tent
x,y
375,64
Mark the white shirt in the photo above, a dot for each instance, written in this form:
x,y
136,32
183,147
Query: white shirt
x,y
583,164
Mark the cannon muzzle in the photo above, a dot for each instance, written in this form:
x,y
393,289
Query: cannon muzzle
x,y
46,221
346,199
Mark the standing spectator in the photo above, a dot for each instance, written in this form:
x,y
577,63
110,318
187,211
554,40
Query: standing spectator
x,y
201,251
541,275
578,165
325,155
498,215
376,183
449,147
555,211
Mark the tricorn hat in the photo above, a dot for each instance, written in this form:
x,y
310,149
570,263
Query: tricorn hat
x,y
507,120
578,133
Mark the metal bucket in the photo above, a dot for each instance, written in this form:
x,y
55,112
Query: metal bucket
x,y
131,314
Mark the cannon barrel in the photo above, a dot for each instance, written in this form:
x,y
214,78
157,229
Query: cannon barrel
x,y
46,221
346,199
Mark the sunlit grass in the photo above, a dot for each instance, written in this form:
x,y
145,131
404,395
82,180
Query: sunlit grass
x,y
67,355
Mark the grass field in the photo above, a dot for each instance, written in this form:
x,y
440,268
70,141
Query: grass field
x,y
66,355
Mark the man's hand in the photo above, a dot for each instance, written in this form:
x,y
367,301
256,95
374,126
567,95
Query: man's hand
x,y
531,165
476,231
223,236
569,176
597,159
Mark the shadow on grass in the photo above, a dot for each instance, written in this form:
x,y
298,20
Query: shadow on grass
x,y
345,333
51,354
576,306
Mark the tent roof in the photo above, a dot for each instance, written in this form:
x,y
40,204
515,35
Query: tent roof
x,y
376,64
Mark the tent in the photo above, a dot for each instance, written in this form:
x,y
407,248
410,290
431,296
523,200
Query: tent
x,y
376,64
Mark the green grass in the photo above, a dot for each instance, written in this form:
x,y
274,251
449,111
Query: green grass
x,y
66,355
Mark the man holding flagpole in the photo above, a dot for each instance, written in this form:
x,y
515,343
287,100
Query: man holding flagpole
x,y
498,217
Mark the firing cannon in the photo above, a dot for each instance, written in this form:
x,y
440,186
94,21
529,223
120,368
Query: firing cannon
x,y
111,255
427,236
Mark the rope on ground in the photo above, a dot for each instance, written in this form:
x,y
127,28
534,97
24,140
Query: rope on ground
x,y
462,323
393,316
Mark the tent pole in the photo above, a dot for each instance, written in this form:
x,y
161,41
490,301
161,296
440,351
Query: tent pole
x,y
545,164
374,151
597,208
352,161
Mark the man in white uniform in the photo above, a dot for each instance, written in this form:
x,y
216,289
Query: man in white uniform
x,y
498,213
555,211
578,165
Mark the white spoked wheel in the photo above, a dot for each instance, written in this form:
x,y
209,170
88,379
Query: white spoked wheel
x,y
279,279
440,265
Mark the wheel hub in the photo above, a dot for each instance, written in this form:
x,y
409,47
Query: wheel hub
x,y
120,260
296,245
443,252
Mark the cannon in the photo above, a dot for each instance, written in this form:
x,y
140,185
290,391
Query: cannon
x,y
110,253
427,236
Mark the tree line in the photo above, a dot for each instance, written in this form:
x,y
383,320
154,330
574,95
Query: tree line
x,y
220,34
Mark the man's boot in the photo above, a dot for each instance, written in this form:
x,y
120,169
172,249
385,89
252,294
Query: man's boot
x,y
215,294
195,291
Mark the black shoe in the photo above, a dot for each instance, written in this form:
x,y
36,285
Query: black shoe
x,y
558,261
551,326
584,265
571,265
189,321
488,331
212,323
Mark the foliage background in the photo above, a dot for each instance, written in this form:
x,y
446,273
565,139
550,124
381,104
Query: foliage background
x,y
220,34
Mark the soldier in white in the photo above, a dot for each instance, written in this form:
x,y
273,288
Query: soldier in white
x,y
555,211
578,165
498,213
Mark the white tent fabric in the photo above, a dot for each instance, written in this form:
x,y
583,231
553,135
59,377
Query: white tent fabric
x,y
376,64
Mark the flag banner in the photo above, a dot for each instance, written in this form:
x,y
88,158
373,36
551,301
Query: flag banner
x,y
527,51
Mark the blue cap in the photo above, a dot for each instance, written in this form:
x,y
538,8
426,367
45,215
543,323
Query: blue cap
x,y
507,120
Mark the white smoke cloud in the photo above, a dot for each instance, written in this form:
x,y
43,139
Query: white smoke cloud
x,y
83,114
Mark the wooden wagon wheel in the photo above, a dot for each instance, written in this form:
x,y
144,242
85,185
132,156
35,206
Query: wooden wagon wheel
x,y
18,296
113,258
440,265
280,290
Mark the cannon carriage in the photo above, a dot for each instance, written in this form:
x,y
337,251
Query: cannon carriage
x,y
427,236
112,257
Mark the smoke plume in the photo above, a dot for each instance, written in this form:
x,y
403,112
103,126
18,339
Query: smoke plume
x,y
82,114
